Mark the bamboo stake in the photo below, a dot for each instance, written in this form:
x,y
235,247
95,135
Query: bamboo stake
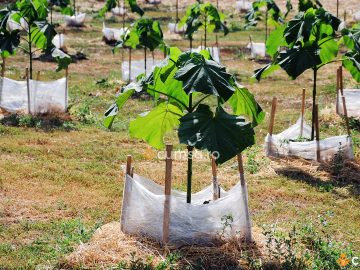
x,y
125,195
341,80
346,116
66,88
317,129
337,89
177,13
128,165
248,236
28,89
337,8
38,76
272,116
129,64
168,170
302,112
215,180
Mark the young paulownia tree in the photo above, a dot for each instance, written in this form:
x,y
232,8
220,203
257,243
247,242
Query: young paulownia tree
x,y
145,33
310,41
37,36
185,86
205,17
110,4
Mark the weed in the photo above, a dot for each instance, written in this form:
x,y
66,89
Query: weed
x,y
141,264
83,114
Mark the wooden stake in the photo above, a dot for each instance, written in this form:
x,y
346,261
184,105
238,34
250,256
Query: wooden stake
x,y
125,195
248,236
341,80
129,64
66,88
317,129
346,116
177,13
28,89
128,165
215,181
337,89
38,76
337,8
302,112
272,116
168,170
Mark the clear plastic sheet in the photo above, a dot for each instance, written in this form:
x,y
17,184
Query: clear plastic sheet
x,y
113,34
282,145
175,29
59,41
137,68
356,16
118,11
76,20
352,99
214,52
243,5
257,49
45,97
195,223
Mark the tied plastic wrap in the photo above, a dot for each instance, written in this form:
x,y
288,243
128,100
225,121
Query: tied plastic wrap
x,y
21,26
175,29
114,34
243,5
45,97
356,16
59,41
137,68
190,224
76,20
214,52
118,11
352,99
257,49
281,145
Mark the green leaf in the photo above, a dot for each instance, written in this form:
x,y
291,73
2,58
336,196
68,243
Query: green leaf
x,y
275,40
153,126
9,42
135,8
352,64
42,34
298,59
265,71
244,103
222,133
205,76
113,110
328,50
63,60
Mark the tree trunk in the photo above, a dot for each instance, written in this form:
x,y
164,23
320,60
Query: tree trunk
x,y
266,26
313,104
30,56
190,154
145,59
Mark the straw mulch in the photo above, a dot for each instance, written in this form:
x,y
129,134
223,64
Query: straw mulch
x,y
109,247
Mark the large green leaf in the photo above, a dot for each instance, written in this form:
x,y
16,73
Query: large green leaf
x,y
135,7
153,126
298,59
33,10
113,110
328,50
275,40
42,34
9,42
222,134
352,64
265,71
244,103
205,76
63,60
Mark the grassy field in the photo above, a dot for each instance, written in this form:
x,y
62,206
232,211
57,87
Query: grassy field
x,y
58,184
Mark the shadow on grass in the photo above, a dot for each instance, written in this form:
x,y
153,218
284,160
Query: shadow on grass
x,y
335,174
